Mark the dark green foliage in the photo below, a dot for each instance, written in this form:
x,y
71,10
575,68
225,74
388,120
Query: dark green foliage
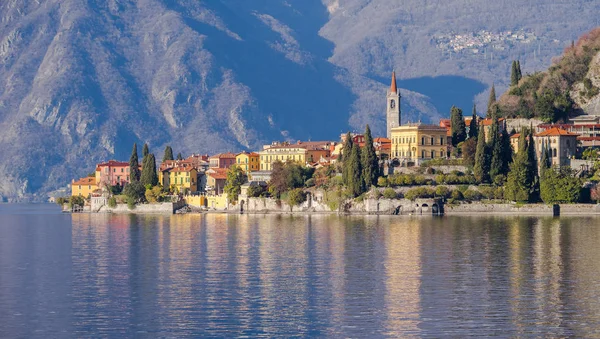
x,y
517,184
112,202
495,147
560,186
442,192
491,100
406,180
256,191
532,169
469,149
519,73
287,176
353,166
296,197
457,127
179,156
135,191
455,179
481,168
149,176
472,195
345,154
233,185
507,152
514,74
545,162
168,154
420,193
76,200
134,169
145,151
473,128
369,162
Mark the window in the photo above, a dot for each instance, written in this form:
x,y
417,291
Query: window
x,y
432,142
90,187
422,140
79,186
422,154
554,152
441,154
432,154
122,170
441,140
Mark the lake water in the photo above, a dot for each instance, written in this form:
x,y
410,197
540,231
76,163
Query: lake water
x,y
234,276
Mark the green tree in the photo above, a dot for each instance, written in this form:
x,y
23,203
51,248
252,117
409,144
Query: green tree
x,y
179,157
135,191
346,152
560,186
149,176
496,163
519,74
491,100
285,177
532,169
507,152
514,74
134,167
370,164
353,166
545,162
233,185
145,152
168,154
517,185
458,128
469,149
482,160
473,128
296,197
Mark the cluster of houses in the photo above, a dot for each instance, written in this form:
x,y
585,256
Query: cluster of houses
x,y
405,145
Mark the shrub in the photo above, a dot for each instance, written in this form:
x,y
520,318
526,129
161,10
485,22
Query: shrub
x,y
61,201
472,195
442,191
130,202
256,191
135,191
76,200
296,197
382,182
112,202
500,180
420,192
389,193
456,195
487,192
309,183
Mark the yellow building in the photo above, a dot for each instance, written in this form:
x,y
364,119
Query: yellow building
x,y
218,202
281,153
84,187
248,162
179,179
196,200
418,142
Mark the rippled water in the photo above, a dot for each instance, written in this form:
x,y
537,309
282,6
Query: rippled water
x,y
234,276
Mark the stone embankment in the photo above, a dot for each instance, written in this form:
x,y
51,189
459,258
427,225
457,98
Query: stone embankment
x,y
527,209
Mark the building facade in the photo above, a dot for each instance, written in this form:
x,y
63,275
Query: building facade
x,y
113,173
248,162
179,179
215,180
223,160
561,145
83,187
415,143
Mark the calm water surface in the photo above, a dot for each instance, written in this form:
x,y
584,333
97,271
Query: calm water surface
x,y
234,276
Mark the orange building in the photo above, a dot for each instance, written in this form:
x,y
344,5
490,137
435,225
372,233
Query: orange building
x,y
83,187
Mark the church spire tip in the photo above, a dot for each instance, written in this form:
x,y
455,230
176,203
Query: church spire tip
x,y
393,87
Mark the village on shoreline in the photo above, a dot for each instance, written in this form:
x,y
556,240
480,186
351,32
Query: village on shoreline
x,y
465,164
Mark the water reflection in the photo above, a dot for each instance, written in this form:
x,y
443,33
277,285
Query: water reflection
x,y
231,276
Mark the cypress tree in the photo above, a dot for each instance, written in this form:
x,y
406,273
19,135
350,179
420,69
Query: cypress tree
x,y
473,129
149,176
179,157
533,178
491,99
482,159
519,74
544,162
355,182
168,154
507,152
496,148
457,127
346,152
370,165
514,74
134,169
145,152
517,187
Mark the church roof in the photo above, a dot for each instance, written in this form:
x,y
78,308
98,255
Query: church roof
x,y
393,87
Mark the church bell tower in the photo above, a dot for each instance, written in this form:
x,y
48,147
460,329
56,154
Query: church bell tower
x,y
393,107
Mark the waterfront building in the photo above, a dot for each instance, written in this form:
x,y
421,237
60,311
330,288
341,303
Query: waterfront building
x,y
248,162
303,152
562,145
179,179
215,180
222,160
84,187
113,173
414,143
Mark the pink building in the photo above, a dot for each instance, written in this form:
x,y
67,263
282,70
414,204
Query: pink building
x,y
223,160
112,173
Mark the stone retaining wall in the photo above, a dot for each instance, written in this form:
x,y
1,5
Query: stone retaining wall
x,y
529,209
162,208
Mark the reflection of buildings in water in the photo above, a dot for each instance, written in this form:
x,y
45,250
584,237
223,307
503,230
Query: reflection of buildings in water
x,y
403,283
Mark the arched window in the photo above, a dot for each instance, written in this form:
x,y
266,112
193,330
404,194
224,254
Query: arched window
x,y
432,141
554,152
422,140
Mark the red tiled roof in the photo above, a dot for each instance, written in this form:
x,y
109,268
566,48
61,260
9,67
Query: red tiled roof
x,y
217,173
113,163
488,121
382,140
555,131
85,181
227,155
